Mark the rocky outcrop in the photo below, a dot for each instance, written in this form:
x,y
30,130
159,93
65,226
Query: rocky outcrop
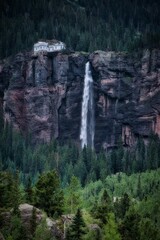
x,y
43,95
26,212
26,215
127,96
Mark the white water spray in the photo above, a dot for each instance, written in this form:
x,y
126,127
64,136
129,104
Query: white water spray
x,y
87,116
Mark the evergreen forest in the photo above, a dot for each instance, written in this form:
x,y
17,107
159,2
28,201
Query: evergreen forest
x,y
91,25
111,196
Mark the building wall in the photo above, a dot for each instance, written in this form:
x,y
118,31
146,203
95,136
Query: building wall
x,y
50,48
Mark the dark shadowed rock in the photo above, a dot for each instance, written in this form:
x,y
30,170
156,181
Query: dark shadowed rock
x,y
127,96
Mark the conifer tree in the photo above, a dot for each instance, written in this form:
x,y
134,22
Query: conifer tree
x,y
73,199
42,232
16,195
33,222
77,228
48,193
102,209
111,229
17,229
29,191
129,228
121,206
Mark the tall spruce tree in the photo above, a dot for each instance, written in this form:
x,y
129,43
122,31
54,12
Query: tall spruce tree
x,y
48,193
77,228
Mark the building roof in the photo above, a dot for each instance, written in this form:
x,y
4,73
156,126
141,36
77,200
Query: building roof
x,y
53,41
41,43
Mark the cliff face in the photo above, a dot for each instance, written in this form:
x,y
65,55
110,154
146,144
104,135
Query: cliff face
x,y
128,96
43,95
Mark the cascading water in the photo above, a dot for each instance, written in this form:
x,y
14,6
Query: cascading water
x,y
87,116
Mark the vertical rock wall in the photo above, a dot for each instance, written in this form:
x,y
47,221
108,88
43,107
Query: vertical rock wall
x,y
43,95
128,96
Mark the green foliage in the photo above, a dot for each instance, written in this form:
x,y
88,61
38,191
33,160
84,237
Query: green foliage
x,y
134,217
42,232
33,222
122,205
101,209
9,191
17,230
49,195
18,153
93,234
129,228
117,185
119,191
76,230
120,25
29,194
73,195
13,228
111,228
148,230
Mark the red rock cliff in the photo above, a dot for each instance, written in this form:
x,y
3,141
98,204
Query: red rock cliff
x,y
43,95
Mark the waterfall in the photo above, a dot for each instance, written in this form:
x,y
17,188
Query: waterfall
x,y
87,116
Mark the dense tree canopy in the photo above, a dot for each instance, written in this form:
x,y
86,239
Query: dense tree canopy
x,y
48,194
82,25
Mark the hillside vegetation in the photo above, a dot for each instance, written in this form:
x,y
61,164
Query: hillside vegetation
x,y
82,25
121,207
118,192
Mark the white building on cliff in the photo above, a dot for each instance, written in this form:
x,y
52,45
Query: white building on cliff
x,y
48,46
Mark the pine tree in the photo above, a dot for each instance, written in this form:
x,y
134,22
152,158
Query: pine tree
x,y
121,206
100,210
29,191
73,199
16,196
111,229
48,193
17,229
33,222
139,188
77,228
42,232
129,228
148,230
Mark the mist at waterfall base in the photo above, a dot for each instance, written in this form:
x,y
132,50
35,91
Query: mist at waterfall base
x,y
87,116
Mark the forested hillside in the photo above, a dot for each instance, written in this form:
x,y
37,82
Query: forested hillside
x,y
121,207
18,153
82,25
109,196
118,191
111,193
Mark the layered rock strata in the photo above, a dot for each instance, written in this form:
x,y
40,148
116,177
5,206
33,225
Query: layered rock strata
x,y
127,96
42,95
